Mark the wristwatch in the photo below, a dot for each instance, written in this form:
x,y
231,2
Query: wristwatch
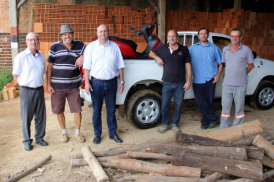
x,y
122,82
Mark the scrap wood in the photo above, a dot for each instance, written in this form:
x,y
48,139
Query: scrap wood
x,y
267,161
17,177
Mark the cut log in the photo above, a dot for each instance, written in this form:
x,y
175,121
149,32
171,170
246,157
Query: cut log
x,y
251,152
145,155
21,175
244,180
261,142
226,152
267,161
95,166
268,174
147,167
248,140
158,179
78,162
246,169
236,132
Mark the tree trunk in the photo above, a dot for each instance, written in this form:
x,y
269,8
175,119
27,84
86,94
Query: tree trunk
x,y
226,152
95,166
268,174
212,177
147,167
236,132
184,138
261,142
246,169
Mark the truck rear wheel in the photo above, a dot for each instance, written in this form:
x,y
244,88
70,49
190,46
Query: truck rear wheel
x,y
263,98
144,109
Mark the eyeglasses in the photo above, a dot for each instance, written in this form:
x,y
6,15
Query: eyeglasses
x,y
235,36
33,40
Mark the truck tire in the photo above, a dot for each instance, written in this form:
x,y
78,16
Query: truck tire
x,y
144,109
263,97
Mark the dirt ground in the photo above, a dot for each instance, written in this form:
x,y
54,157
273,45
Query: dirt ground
x,y
14,159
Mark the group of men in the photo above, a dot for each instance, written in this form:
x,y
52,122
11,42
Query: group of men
x,y
103,64
205,61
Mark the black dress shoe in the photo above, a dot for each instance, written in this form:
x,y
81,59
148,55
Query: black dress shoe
x,y
116,139
28,147
97,140
204,126
42,143
212,124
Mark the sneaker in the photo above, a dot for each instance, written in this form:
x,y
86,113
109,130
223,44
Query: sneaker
x,y
176,129
163,129
64,138
204,126
80,137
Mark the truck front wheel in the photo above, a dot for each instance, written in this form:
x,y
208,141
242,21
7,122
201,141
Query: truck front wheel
x,y
144,109
263,98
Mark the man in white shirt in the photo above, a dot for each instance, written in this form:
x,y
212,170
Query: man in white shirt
x,y
103,63
29,68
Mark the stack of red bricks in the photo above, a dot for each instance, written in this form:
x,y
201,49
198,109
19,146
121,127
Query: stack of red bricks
x,y
257,28
85,19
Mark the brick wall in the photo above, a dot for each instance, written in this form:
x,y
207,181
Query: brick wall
x,y
5,48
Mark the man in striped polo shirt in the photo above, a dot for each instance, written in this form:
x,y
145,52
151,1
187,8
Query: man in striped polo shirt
x,y
64,80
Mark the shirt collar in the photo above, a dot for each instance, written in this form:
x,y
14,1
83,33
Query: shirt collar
x,y
229,46
99,43
208,43
29,52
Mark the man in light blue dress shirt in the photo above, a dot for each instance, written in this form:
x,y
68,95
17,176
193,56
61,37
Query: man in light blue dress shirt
x,y
205,59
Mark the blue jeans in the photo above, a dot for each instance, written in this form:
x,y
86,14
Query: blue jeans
x,y
177,91
104,90
204,98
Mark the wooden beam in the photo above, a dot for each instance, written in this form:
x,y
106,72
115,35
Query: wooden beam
x,y
153,6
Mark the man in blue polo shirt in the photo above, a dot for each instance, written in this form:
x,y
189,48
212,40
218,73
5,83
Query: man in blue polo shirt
x,y
64,80
205,58
175,60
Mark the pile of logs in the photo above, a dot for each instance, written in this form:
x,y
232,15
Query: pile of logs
x,y
240,153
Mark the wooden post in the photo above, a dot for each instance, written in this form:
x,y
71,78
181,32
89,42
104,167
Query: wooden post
x,y
246,169
236,132
147,167
145,155
95,166
261,142
267,161
160,179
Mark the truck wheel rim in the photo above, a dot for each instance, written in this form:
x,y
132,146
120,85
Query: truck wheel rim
x,y
266,96
147,111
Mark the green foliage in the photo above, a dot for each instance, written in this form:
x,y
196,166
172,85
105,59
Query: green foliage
x,y
5,77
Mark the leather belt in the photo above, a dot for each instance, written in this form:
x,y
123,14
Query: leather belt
x,y
115,78
31,88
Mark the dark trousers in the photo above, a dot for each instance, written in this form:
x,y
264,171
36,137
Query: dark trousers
x,y
177,91
104,91
32,105
204,97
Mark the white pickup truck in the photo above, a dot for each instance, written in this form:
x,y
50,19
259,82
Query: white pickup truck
x,y
141,100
